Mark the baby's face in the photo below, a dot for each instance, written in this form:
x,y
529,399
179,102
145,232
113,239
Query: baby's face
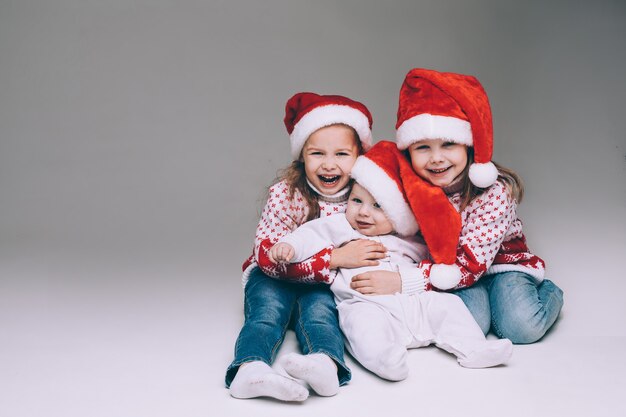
x,y
365,215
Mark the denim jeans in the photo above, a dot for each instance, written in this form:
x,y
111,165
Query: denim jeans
x,y
271,306
513,305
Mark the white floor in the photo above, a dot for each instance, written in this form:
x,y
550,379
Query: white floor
x,y
86,338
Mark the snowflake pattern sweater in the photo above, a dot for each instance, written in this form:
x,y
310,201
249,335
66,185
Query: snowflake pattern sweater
x,y
282,215
491,238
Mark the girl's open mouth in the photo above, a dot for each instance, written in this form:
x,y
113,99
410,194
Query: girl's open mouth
x,y
329,181
440,170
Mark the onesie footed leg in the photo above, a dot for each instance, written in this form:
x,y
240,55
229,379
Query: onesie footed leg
x,y
387,360
393,363
316,369
258,379
488,354
457,332
374,338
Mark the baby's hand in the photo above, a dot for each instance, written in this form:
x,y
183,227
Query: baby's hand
x,y
377,283
357,253
281,253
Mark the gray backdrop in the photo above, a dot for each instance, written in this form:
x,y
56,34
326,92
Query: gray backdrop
x,y
137,137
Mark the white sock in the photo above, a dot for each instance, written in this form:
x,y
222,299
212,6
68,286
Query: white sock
x,y
258,379
495,352
317,369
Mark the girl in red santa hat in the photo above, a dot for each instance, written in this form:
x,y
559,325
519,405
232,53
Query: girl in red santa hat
x,y
445,128
327,134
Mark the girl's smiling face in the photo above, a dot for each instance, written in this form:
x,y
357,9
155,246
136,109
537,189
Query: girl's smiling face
x,y
438,161
328,156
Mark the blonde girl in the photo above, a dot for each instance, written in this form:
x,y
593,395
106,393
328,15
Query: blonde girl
x,y
445,128
327,134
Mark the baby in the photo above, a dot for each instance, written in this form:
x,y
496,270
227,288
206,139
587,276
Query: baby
x,y
380,328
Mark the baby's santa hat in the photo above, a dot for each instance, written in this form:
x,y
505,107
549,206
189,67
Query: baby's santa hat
x,y
452,107
307,112
408,200
378,171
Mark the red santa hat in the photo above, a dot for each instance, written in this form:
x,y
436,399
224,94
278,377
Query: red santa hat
x,y
448,106
307,112
409,201
378,171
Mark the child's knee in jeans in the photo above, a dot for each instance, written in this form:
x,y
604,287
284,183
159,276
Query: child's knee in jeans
x,y
519,332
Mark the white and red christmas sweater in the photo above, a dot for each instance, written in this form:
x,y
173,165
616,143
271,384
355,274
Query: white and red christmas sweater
x,y
491,239
280,216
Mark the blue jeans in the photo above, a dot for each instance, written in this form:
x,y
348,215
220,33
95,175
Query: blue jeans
x,y
271,306
513,305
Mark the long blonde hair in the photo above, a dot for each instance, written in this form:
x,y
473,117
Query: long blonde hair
x,y
295,176
507,176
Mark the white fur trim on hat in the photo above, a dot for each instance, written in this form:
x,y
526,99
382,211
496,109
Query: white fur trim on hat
x,y
483,175
444,276
328,115
429,126
386,193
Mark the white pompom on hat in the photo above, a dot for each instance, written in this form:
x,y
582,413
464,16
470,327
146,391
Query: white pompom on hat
x,y
307,112
452,107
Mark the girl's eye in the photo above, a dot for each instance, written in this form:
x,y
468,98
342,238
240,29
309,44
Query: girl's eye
x,y
342,154
421,148
315,153
356,200
448,144
376,205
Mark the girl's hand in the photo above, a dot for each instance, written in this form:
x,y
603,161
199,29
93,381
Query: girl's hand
x,y
281,253
377,283
357,253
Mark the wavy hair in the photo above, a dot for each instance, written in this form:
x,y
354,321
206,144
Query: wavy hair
x,y
507,176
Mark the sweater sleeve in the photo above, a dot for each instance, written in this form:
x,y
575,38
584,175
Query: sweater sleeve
x,y
414,250
485,223
314,236
280,216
